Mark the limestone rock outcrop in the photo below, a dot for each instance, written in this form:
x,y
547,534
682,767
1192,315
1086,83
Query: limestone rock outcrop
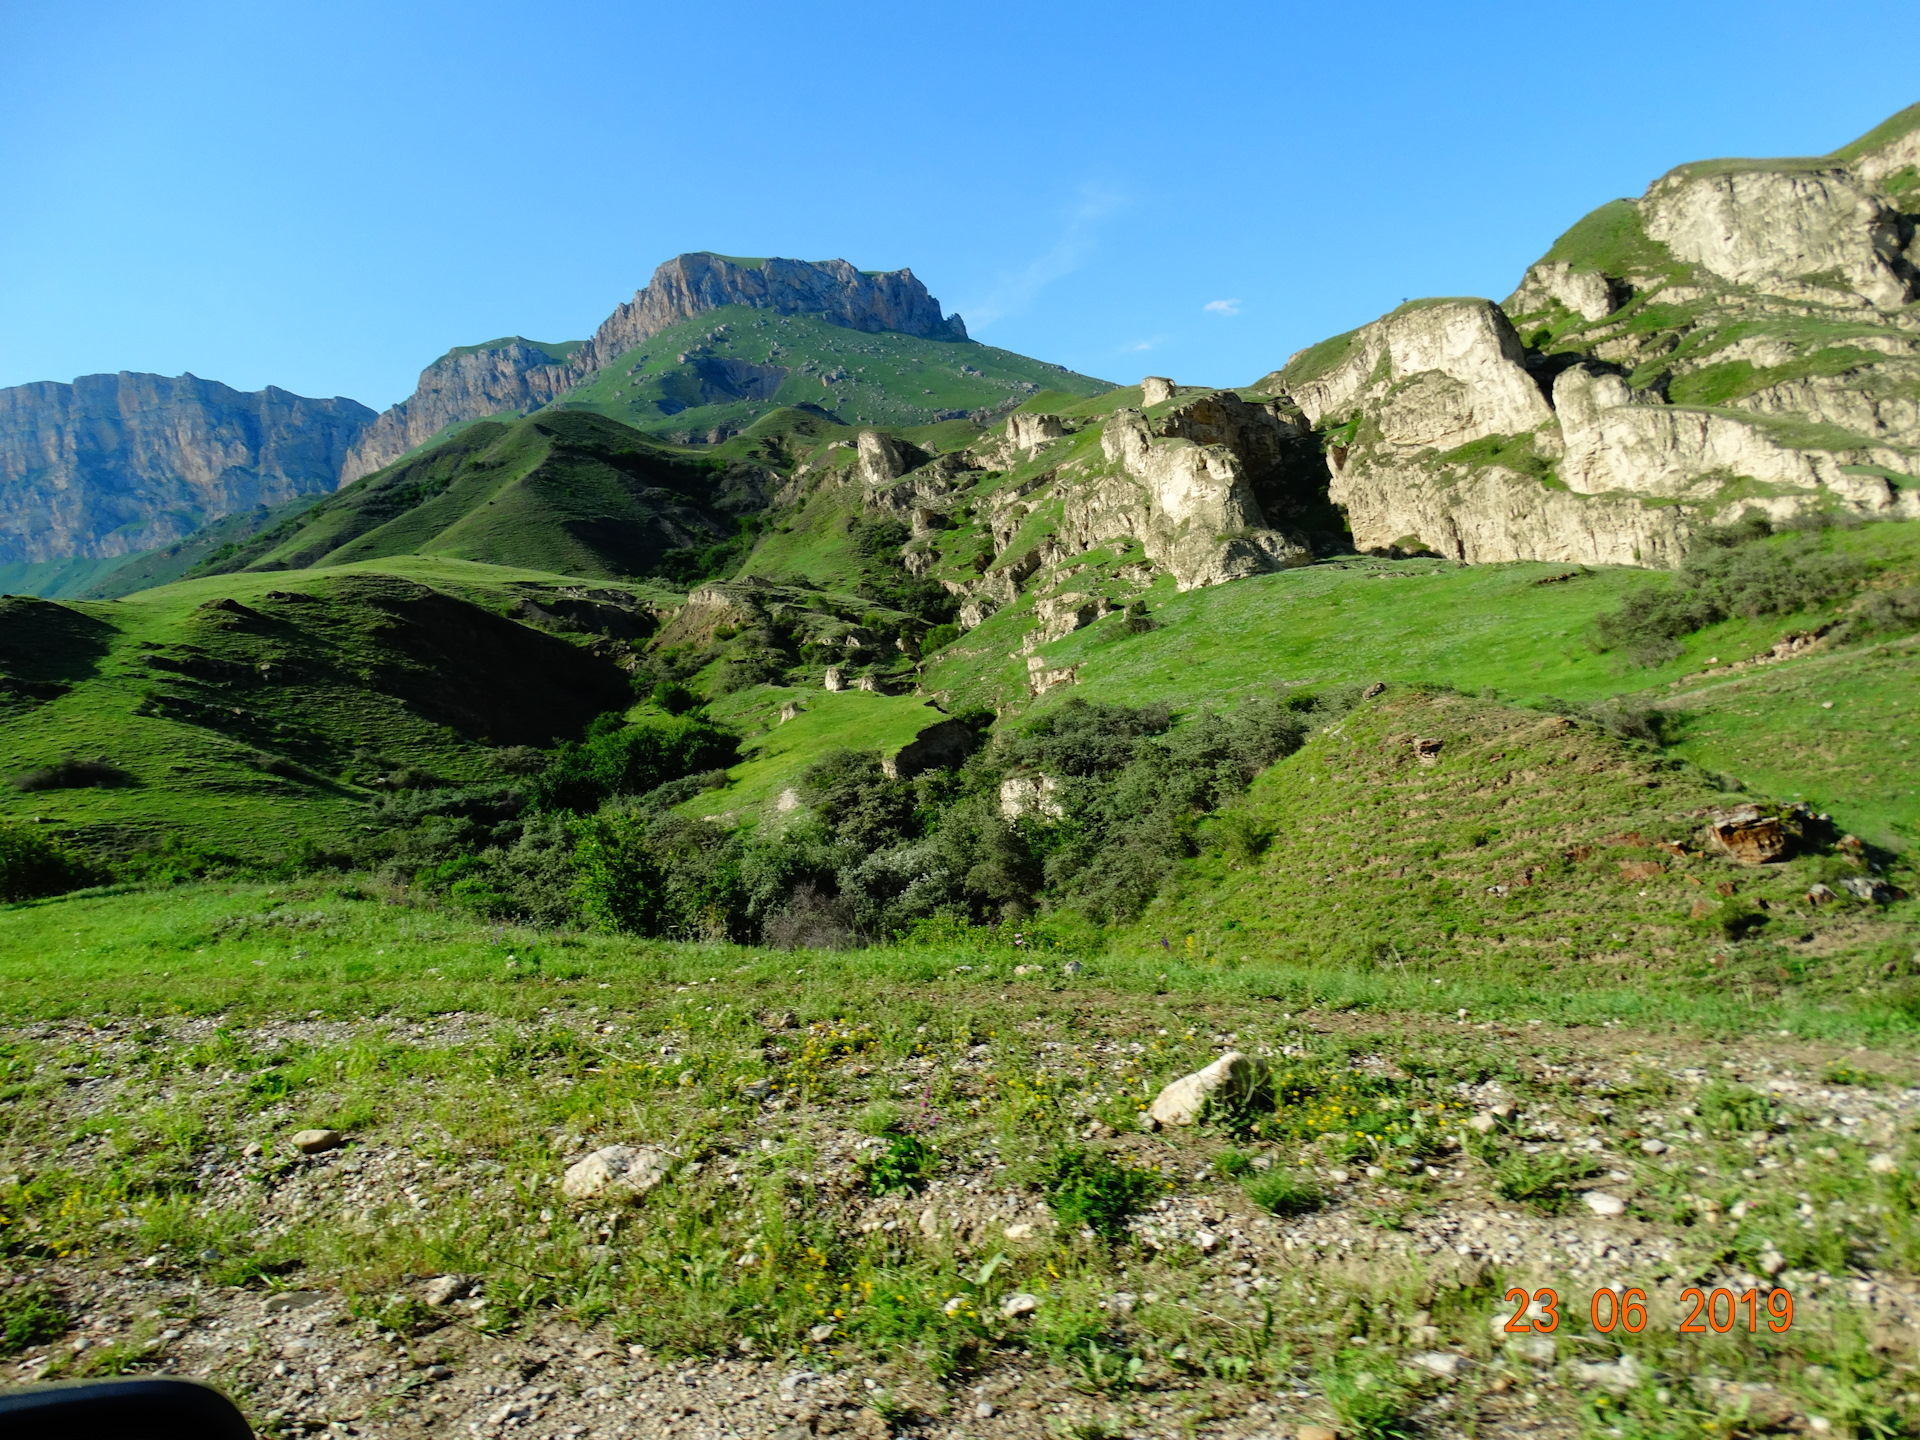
x,y
1587,293
883,459
114,464
1435,375
1199,520
1736,340
1037,796
1789,230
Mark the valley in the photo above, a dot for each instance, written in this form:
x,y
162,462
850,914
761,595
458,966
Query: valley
x,y
673,883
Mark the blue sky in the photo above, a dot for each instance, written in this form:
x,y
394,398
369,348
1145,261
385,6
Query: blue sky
x,y
326,197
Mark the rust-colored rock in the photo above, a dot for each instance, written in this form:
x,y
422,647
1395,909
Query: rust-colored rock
x,y
1427,750
1748,836
1641,869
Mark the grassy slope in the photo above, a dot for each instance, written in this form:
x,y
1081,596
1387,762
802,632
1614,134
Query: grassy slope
x,y
206,545
1857,759
567,494
1494,628
358,669
1380,862
56,579
893,380
772,760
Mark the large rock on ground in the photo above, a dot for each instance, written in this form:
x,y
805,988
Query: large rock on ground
x,y
1233,1078
615,1170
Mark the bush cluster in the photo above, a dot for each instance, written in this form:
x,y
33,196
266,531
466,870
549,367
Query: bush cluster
x,y
33,865
591,836
1730,574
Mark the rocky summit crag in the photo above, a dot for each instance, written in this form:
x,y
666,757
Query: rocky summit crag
x,y
514,374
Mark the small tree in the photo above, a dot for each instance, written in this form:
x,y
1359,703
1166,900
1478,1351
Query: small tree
x,y
621,885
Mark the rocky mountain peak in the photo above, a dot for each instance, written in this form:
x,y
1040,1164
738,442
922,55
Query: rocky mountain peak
x,y
691,284
474,381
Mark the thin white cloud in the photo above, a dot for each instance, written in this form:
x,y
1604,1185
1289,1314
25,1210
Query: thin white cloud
x,y
1222,307
1140,345
1014,291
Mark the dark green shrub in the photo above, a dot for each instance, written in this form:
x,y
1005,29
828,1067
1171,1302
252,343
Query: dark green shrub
x,y
690,564
1618,716
1731,920
1734,1109
33,865
1891,612
620,759
673,697
72,773
1543,1181
619,881
1090,1188
938,638
29,1315
1241,836
1729,575
850,791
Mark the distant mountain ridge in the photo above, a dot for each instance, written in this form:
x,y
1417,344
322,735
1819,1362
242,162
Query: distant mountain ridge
x,y
473,382
115,464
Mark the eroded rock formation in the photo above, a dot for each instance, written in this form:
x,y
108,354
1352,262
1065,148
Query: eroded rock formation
x,y
1739,339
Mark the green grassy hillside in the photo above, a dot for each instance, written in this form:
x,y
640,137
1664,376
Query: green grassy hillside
x,y
1534,850
1522,631
206,548
250,713
56,579
716,374
564,493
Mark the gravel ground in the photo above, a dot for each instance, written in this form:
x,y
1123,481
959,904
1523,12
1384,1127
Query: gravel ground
x,y
306,1360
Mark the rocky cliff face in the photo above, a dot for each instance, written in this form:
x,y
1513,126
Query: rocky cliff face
x,y
515,374
1742,337
112,464
690,285
465,384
